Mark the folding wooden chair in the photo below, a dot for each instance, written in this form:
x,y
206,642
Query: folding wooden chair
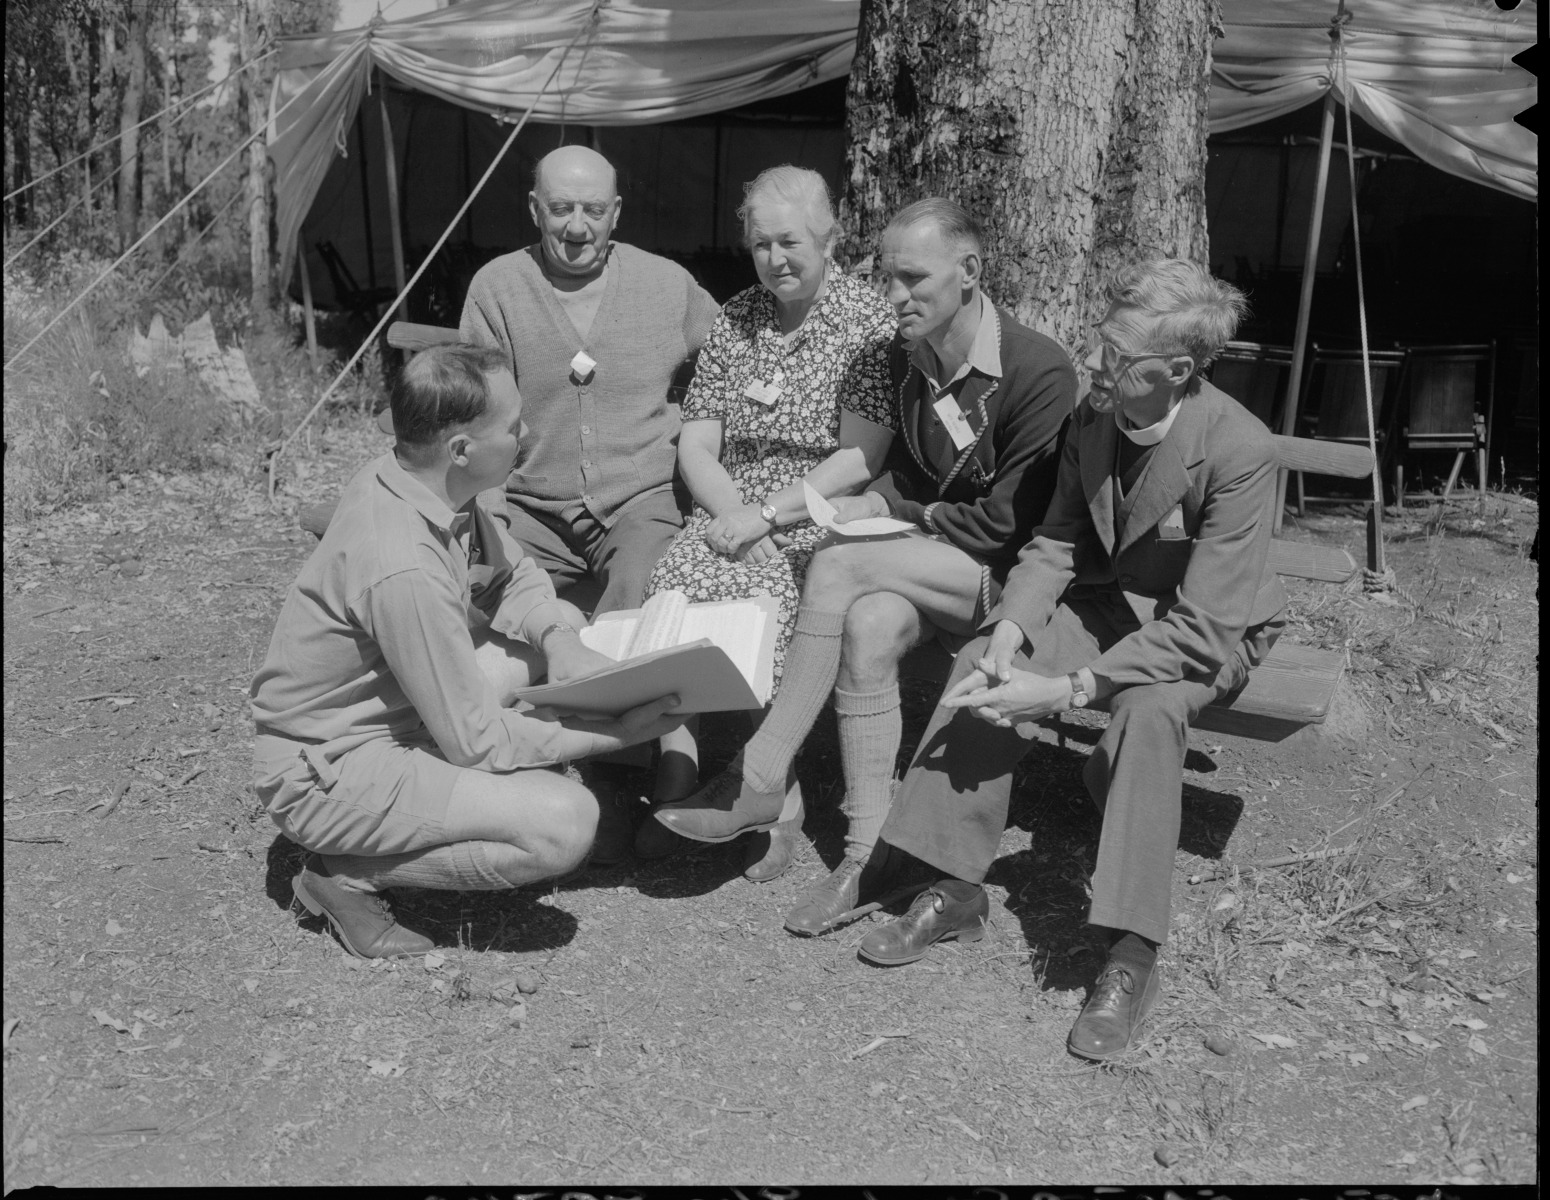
x,y
1255,376
1446,404
1333,405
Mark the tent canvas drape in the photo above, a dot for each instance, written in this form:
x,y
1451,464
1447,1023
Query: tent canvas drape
x,y
1435,75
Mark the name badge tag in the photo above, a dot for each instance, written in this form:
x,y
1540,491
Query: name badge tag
x,y
582,366
763,393
952,419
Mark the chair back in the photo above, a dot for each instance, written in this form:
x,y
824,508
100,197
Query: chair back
x,y
1255,376
1445,386
1334,381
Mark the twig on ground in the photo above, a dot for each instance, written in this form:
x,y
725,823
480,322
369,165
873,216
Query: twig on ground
x,y
716,1107
102,696
1368,903
108,806
190,777
1285,861
49,612
42,841
880,1040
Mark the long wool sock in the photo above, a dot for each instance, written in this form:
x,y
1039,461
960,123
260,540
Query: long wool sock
x,y
870,729
1131,950
812,662
457,866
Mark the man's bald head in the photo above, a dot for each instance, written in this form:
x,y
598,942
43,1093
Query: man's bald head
x,y
575,166
575,204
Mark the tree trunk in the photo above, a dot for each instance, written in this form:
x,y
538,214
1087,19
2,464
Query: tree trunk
x,y
129,116
1073,130
256,19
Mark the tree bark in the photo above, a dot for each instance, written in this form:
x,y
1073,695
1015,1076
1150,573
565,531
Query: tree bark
x,y
1073,130
256,19
136,15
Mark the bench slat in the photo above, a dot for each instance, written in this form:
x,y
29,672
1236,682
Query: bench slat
x,y
1328,564
406,335
1322,458
1291,688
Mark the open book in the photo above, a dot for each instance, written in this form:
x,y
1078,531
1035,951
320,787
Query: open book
x,y
716,656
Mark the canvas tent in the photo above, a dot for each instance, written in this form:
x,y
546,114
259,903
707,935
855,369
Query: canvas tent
x,y
1435,76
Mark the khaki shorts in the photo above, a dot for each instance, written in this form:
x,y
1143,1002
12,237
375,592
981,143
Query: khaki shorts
x,y
383,797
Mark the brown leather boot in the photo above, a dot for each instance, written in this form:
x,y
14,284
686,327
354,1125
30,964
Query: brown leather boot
x,y
363,920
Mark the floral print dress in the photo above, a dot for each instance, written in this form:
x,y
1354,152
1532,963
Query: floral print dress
x,y
838,360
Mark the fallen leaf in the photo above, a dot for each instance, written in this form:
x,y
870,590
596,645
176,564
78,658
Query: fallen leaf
x,y
272,1059
1225,901
1277,1040
1467,954
1220,1043
434,960
113,928
1289,1069
10,1027
1477,1044
1166,1156
1413,1103
1408,1158
438,985
101,1016
517,1013
137,1030
1357,1058
174,1043
388,1068
877,1089
251,985
1469,1022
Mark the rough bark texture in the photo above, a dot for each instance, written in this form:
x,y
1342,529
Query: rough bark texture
x,y
256,20
129,116
1074,130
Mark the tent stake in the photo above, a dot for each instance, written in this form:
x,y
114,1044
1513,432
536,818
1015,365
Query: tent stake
x,y
1310,260
306,302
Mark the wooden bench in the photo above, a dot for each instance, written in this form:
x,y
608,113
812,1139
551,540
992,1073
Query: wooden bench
x,y
1293,687
1290,690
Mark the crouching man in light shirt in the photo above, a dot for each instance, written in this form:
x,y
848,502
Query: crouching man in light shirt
x,y
382,745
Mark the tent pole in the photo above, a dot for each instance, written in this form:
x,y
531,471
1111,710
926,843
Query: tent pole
x,y
390,163
1310,260
306,300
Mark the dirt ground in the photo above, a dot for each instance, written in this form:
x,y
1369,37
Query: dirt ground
x,y
169,1020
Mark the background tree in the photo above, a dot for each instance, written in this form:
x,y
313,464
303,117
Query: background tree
x,y
1074,130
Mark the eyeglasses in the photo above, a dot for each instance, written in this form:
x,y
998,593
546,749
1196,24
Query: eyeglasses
x,y
1114,359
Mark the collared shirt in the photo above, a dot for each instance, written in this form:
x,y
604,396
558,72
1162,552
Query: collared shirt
x,y
374,637
984,356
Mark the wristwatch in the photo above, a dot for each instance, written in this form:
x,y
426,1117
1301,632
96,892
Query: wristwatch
x,y
768,514
1079,696
554,627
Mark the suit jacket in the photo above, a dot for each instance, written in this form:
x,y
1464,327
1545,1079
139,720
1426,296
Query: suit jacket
x,y
1189,549
992,493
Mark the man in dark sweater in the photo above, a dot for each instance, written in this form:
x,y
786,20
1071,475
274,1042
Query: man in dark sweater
x,y
983,401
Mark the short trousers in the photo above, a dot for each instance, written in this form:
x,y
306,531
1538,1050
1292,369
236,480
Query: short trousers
x,y
384,797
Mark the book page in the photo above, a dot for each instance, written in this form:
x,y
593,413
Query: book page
x,y
736,626
661,619
610,636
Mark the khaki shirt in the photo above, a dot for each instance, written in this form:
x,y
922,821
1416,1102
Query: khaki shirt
x,y
374,639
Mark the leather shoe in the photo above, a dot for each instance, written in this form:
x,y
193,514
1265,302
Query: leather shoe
x,y
363,920
723,809
949,908
655,840
853,883
618,812
1121,1001
769,855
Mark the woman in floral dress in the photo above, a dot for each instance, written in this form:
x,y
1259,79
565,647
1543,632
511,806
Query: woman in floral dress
x,y
791,387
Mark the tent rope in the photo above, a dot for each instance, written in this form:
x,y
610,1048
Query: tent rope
x,y
145,237
588,27
185,101
1381,579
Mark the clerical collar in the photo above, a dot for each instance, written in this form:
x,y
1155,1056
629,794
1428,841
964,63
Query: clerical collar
x,y
1152,434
